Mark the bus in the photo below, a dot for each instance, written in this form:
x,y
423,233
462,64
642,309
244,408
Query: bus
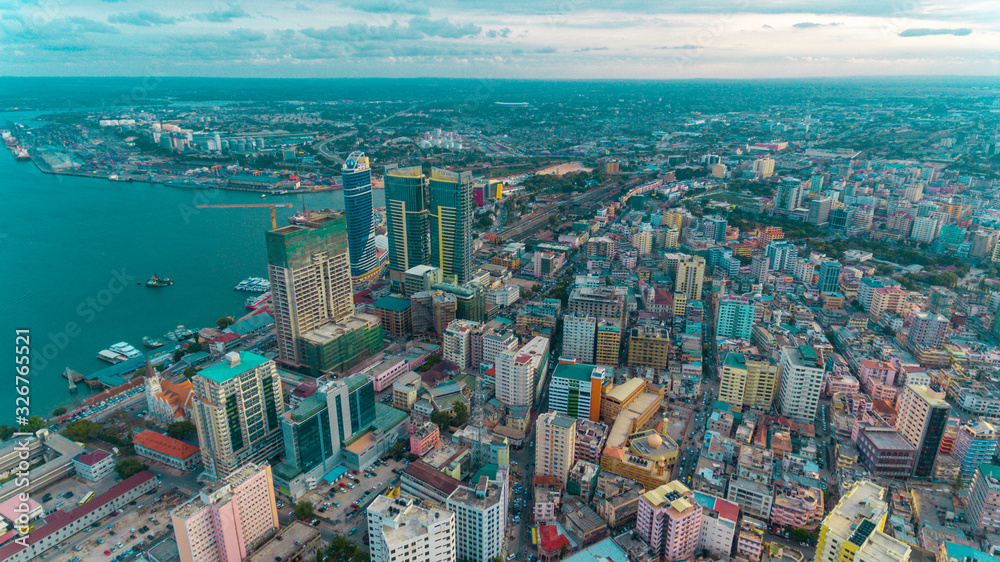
x,y
87,498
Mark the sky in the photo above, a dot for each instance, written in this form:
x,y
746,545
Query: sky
x,y
563,39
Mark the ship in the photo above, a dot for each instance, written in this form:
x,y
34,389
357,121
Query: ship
x,y
254,285
157,281
111,356
123,348
254,302
21,154
8,139
181,333
153,342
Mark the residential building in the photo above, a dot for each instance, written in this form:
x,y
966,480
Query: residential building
x,y
735,317
750,541
763,167
236,410
420,278
395,315
926,329
829,276
607,347
555,445
719,521
760,268
400,529
459,342
854,529
310,279
800,382
359,210
781,254
884,299
923,415
408,223
575,390
494,343
925,229
95,465
689,278
405,391
819,210
748,381
600,302
481,519
518,372
975,444
579,337
983,505
451,223
649,346
669,521
227,521
342,344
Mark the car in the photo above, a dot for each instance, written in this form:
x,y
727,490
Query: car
x,y
107,553
352,531
119,545
314,522
336,504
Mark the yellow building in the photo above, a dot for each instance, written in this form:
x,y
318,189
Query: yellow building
x,y
690,274
608,342
748,381
680,305
649,346
853,531
614,399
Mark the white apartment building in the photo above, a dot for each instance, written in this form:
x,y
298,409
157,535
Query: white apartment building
x,y
555,434
496,343
800,382
925,229
481,516
458,342
399,530
579,337
517,372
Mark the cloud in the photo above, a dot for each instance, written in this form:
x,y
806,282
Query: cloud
x,y
142,18
924,32
389,7
545,50
505,32
244,34
685,47
588,49
443,28
302,7
810,24
222,16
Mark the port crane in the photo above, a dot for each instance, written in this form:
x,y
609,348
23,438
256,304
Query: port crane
x,y
274,219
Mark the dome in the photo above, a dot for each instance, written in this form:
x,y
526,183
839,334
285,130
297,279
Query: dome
x,y
654,441
382,242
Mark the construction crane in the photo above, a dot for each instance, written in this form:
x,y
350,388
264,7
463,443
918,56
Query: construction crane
x,y
274,219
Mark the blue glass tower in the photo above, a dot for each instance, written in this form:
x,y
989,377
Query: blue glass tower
x,y
357,178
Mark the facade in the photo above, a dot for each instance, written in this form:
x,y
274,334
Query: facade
x,y
854,529
226,522
358,207
923,415
310,279
829,276
237,406
399,529
579,337
719,522
983,506
975,444
669,521
600,302
458,342
575,390
555,445
341,345
518,372
884,452
407,221
926,329
481,516
689,278
800,382
420,278
166,450
394,314
495,343
748,381
450,215
95,465
607,346
781,254
649,346
750,541
735,318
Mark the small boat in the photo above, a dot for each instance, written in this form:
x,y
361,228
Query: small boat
x,y
153,342
123,348
21,154
181,333
111,357
263,195
157,281
254,302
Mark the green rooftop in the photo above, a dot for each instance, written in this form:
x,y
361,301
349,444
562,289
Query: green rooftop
x,y
222,371
355,382
736,361
395,304
579,372
309,407
387,417
808,353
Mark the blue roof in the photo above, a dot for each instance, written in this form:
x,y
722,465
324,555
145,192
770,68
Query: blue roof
x,y
248,325
606,551
962,552
112,376
336,473
222,372
395,304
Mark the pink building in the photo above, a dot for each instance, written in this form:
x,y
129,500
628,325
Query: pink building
x,y
424,437
386,372
877,378
225,522
669,521
796,506
842,382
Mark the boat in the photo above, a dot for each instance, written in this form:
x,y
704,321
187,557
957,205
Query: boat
x,y
21,154
254,285
153,342
157,281
181,333
125,349
254,302
263,195
111,357
113,177
297,218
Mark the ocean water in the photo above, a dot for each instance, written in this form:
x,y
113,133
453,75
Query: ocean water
x,y
75,254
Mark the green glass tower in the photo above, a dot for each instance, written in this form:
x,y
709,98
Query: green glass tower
x,y
451,223
408,219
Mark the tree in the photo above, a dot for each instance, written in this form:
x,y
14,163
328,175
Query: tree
x,y
190,372
177,355
181,429
460,414
442,419
59,411
224,322
563,551
33,424
193,348
957,484
303,510
127,468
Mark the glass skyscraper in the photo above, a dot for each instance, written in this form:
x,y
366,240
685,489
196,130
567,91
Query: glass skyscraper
x,y
357,178
408,219
451,223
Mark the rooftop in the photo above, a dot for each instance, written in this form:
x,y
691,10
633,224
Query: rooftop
x,y
165,444
395,304
226,370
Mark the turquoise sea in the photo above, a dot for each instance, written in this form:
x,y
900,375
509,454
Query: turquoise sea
x,y
72,251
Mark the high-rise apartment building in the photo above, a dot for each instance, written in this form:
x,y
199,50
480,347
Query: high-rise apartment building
x,y
669,521
451,223
782,254
925,229
748,381
601,302
923,415
518,372
236,408
579,337
642,241
854,529
788,195
400,529
575,390
481,519
310,279
884,299
358,207
760,268
829,276
555,445
926,329
800,382
607,347
228,520
407,220
983,506
690,274
495,343
458,343
735,319
649,346
819,210
763,167
975,444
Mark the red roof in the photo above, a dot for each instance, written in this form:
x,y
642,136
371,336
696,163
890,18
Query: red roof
x,y
164,444
226,338
60,519
90,459
550,539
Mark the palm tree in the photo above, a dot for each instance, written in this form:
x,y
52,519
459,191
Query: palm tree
x,y
957,485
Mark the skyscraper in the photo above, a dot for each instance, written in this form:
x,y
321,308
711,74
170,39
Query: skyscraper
x,y
236,408
782,254
800,381
481,515
819,210
451,223
227,521
923,414
829,276
358,206
579,337
975,445
556,435
310,279
669,521
788,196
690,273
408,220
517,372
735,317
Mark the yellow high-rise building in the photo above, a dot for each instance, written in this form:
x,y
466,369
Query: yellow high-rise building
x,y
748,381
853,531
608,342
690,274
